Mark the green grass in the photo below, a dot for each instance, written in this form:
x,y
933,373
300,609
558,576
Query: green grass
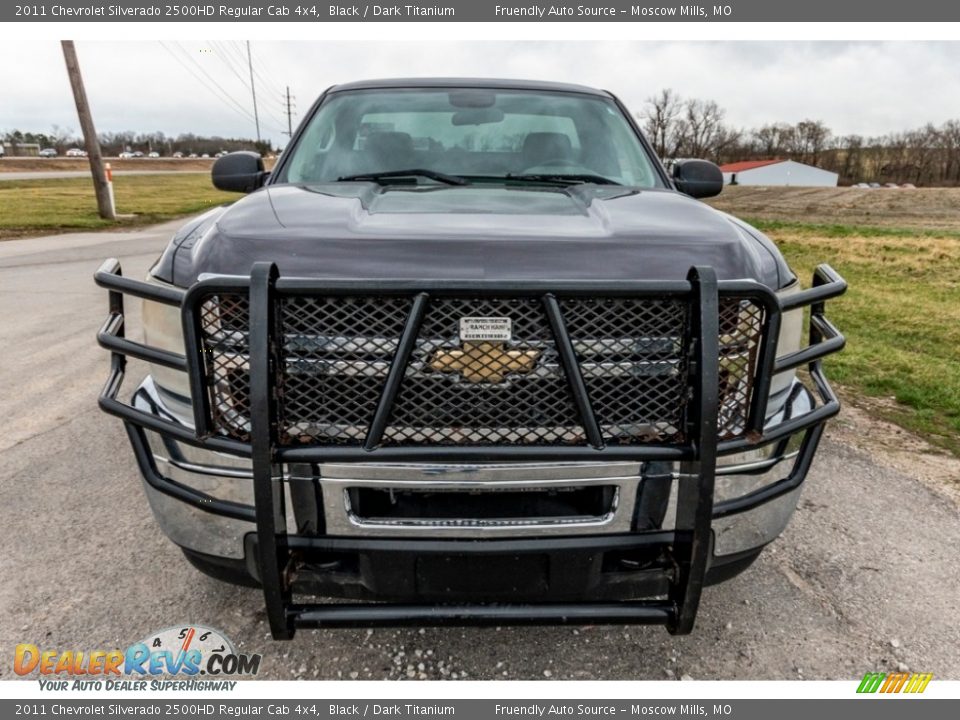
x,y
833,230
37,207
901,316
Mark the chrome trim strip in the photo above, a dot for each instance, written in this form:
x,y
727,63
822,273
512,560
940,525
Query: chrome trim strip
x,y
342,520
205,469
428,474
756,465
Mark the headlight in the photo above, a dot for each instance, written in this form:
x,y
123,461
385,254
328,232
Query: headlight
x,y
791,332
162,329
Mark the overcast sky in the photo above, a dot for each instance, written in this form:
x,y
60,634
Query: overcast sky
x,y
865,88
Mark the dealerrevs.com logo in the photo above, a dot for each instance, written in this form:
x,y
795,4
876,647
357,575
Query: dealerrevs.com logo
x,y
184,652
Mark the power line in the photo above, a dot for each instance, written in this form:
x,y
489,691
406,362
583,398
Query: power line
x,y
214,89
218,90
289,114
267,78
228,62
270,82
189,57
186,53
236,103
237,48
253,91
233,54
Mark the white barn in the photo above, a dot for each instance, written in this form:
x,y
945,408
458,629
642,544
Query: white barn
x,y
777,172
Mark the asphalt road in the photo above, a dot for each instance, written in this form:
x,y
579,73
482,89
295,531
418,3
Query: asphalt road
x,y
865,579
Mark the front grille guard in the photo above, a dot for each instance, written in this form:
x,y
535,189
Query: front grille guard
x,y
689,545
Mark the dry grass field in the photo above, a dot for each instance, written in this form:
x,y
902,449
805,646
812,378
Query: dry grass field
x,y
924,209
900,252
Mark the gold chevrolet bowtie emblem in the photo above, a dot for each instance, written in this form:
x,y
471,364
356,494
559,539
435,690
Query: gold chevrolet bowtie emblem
x,y
484,361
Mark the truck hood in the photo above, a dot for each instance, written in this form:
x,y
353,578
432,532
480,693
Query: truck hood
x,y
474,233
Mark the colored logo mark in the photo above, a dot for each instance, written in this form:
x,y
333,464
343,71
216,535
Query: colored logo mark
x,y
898,682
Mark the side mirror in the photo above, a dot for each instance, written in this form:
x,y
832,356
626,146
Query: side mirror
x,y
239,172
697,178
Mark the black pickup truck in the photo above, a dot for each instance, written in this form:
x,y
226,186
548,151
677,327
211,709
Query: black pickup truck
x,y
468,354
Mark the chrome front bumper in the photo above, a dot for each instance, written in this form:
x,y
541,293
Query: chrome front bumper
x,y
229,478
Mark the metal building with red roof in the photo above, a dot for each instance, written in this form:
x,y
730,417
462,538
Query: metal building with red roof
x,y
777,172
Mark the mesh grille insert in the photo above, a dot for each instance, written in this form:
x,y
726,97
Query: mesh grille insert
x,y
633,355
484,393
224,321
337,352
741,330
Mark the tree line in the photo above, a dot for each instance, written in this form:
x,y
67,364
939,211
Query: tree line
x,y
114,143
677,128
681,127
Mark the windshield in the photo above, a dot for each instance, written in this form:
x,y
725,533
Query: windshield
x,y
474,134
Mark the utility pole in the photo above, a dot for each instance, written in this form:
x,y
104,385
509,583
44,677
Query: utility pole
x,y
289,115
90,141
253,90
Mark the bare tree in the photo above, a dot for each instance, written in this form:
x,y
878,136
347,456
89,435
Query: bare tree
x,y
659,121
773,140
61,137
949,143
727,142
851,148
810,138
700,129
922,146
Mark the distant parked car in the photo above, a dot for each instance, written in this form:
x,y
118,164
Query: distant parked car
x,y
862,185
76,152
125,155
138,153
48,152
908,186
875,185
205,155
193,155
891,185
178,154
153,154
221,154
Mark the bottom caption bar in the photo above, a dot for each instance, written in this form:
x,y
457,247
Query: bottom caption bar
x,y
406,709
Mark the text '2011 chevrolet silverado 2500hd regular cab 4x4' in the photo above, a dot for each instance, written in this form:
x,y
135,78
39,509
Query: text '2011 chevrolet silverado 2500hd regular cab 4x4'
x,y
469,354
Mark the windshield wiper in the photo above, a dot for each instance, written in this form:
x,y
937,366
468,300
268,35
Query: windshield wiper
x,y
572,178
414,172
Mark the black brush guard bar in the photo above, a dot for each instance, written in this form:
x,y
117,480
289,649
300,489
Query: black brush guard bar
x,y
689,544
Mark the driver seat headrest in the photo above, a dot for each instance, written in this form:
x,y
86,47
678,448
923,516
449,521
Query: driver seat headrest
x,y
539,147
